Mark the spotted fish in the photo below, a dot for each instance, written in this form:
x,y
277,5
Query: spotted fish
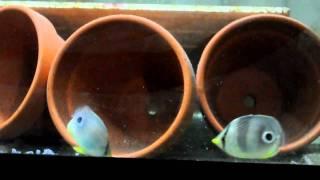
x,y
89,132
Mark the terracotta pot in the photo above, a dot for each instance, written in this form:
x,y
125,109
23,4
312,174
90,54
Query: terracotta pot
x,y
133,74
28,44
263,64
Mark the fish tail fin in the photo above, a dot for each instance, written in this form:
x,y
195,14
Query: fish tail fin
x,y
79,150
216,141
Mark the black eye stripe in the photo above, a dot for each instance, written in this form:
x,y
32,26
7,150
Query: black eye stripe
x,y
223,138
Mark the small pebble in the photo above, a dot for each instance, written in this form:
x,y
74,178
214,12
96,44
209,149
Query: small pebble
x,y
48,152
293,162
14,151
29,152
314,157
38,151
152,112
197,116
308,160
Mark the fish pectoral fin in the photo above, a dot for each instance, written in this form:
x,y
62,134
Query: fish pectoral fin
x,y
80,150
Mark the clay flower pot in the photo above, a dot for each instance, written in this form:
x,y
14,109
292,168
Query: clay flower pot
x,y
133,74
28,43
263,64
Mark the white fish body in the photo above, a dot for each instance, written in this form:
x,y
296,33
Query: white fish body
x,y
251,137
89,132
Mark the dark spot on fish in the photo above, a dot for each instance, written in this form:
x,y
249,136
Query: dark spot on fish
x,y
79,120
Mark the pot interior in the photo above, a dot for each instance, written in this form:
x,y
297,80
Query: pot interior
x,y
129,75
18,59
266,66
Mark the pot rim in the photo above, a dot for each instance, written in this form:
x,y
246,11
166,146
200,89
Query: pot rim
x,y
211,46
186,67
36,81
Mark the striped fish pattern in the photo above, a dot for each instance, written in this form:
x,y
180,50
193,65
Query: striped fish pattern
x,y
251,137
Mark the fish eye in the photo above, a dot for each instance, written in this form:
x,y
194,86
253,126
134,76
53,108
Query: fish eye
x,y
79,119
268,137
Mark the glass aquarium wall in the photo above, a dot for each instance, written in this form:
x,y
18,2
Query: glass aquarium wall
x,y
218,80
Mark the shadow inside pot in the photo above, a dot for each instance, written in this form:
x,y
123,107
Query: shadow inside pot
x,y
129,75
265,65
18,60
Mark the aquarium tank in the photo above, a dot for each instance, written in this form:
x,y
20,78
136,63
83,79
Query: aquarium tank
x,y
200,80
